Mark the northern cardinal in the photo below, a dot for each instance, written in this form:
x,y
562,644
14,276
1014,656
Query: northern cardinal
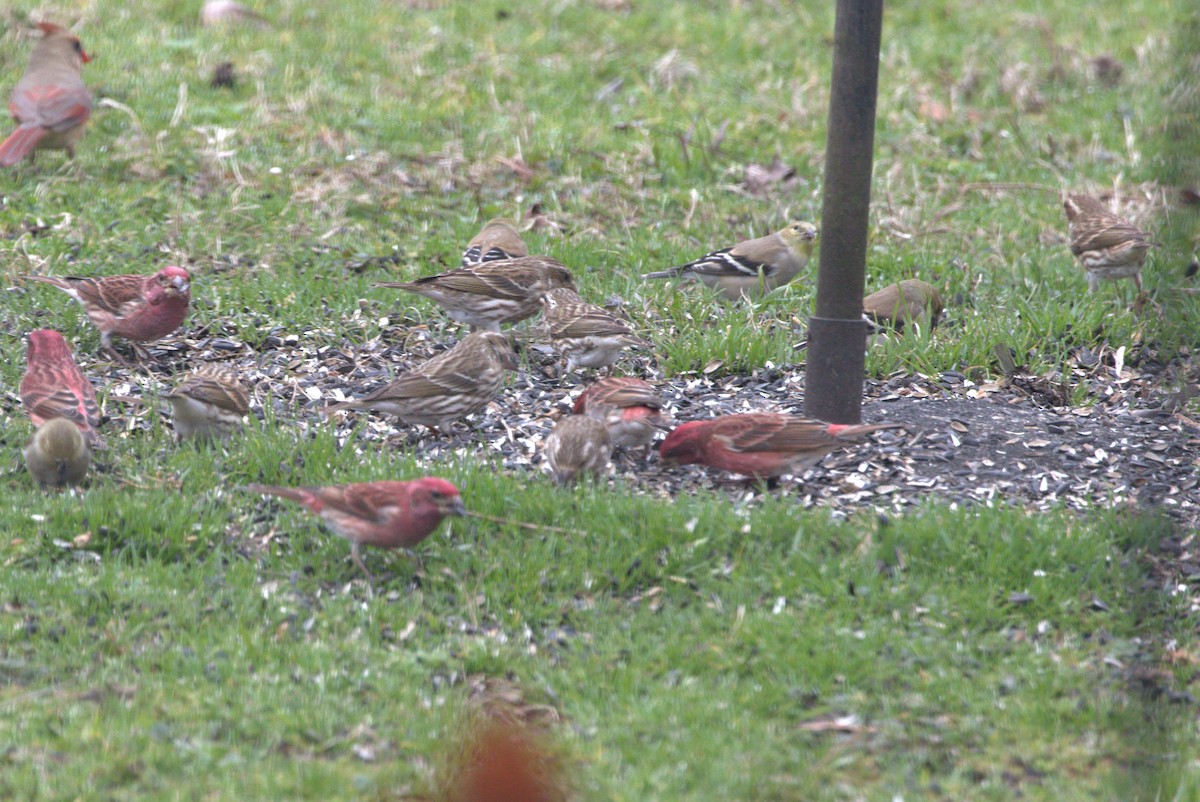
x,y
908,301
497,240
452,385
578,445
139,308
489,294
754,267
58,454
54,387
761,445
588,336
388,515
630,408
50,103
1108,246
209,403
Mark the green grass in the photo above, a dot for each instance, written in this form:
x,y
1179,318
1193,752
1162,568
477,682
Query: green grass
x,y
199,643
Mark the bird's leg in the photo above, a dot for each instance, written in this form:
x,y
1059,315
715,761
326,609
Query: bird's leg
x,y
356,557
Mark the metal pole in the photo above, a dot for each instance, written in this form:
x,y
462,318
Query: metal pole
x,y
837,333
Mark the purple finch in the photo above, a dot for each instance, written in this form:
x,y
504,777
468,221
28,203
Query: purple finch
x,y
631,409
588,336
1107,246
452,385
209,403
54,387
761,445
577,445
754,267
492,293
389,515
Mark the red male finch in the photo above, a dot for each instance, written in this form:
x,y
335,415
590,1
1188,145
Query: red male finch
x,y
578,445
1107,246
760,445
209,404
489,294
754,267
50,103
138,308
58,455
452,385
589,336
389,515
497,240
630,408
54,387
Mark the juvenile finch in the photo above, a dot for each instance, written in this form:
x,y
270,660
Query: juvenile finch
x,y
489,294
138,308
50,103
754,267
452,385
209,403
577,445
911,300
588,336
1107,246
761,445
389,515
54,387
631,409
58,454
497,240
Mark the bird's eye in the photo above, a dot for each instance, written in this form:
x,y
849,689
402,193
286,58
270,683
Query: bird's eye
x,y
77,45
437,495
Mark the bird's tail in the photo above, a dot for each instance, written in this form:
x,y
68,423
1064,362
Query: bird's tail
x,y
672,273
20,143
853,431
290,493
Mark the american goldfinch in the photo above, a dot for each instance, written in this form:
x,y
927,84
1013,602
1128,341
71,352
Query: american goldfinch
x,y
1107,246
452,385
58,454
209,403
588,336
497,240
910,300
577,445
754,267
491,293
389,515
761,445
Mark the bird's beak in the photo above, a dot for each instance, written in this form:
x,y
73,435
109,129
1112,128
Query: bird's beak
x,y
811,235
179,284
454,506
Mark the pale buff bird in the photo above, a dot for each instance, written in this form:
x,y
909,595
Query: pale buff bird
x,y
209,403
754,267
1107,245
497,240
489,294
58,454
907,301
578,444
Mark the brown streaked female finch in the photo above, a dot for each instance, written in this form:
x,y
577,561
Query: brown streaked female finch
x,y
389,515
492,293
452,385
54,387
50,103
497,240
209,403
907,301
754,267
577,445
138,308
1107,246
760,445
588,336
630,408
58,454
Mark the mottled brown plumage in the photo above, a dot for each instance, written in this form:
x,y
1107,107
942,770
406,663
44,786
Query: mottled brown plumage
x,y
1107,245
578,445
209,403
588,336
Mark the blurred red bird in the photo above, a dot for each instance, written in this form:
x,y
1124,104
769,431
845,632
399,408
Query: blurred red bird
x,y
54,387
138,308
505,763
630,408
50,103
386,514
761,445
